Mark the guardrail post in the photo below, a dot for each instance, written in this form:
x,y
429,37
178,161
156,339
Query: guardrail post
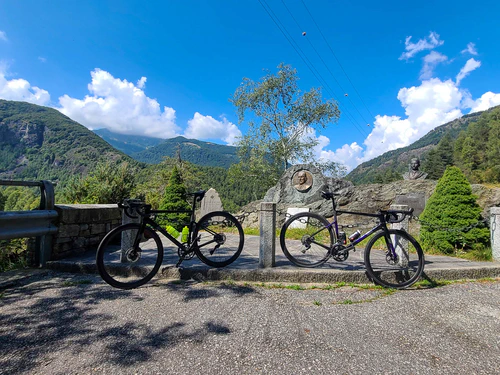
x,y
401,245
495,232
267,226
43,244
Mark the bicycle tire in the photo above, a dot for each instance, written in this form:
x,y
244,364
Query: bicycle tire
x,y
306,239
117,245
219,239
385,272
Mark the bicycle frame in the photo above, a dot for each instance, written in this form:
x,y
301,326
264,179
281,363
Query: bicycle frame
x,y
381,226
190,243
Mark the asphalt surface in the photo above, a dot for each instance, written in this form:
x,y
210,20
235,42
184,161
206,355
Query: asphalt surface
x,y
246,267
60,323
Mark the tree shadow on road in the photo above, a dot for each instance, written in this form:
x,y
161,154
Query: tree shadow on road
x,y
46,317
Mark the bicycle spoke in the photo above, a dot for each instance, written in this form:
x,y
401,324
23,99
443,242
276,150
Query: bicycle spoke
x,y
306,239
398,269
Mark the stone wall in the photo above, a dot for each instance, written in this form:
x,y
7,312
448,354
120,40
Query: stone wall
x,y
82,227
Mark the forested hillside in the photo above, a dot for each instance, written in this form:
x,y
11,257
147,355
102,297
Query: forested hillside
x,y
128,144
191,150
391,165
41,143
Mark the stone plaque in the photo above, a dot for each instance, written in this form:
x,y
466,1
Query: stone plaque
x,y
414,200
211,202
295,210
302,180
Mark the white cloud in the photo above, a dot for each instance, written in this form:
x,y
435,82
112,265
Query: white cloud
x,y
21,90
3,36
430,62
469,66
471,48
431,42
121,107
487,100
42,59
348,155
142,82
431,104
206,127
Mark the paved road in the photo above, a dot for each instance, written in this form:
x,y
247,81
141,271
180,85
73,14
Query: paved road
x,y
67,324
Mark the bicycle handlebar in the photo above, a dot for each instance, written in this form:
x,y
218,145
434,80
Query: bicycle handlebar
x,y
392,215
129,206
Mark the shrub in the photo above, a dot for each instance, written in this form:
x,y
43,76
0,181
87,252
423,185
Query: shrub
x,y
174,199
452,219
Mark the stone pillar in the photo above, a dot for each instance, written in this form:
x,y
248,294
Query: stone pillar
x,y
127,239
495,232
402,245
267,249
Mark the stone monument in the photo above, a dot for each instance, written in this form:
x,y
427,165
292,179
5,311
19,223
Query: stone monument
x,y
211,202
299,189
302,180
413,172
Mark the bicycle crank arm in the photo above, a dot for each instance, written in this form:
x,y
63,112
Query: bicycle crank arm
x,y
215,248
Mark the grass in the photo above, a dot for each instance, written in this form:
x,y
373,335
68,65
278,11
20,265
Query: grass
x,y
477,255
77,282
13,254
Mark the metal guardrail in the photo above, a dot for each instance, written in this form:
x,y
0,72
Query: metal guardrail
x,y
37,223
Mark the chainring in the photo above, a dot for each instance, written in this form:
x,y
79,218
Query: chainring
x,y
340,253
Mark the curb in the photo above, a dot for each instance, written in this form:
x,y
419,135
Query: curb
x,y
299,275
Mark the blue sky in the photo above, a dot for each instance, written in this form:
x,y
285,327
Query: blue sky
x,y
168,68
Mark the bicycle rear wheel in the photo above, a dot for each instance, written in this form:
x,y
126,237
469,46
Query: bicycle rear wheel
x,y
124,265
394,273
306,239
219,239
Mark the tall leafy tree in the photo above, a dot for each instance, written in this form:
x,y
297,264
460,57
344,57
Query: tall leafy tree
x,y
451,219
107,183
282,124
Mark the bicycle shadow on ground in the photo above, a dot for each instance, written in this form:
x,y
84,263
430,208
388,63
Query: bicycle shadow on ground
x,y
44,317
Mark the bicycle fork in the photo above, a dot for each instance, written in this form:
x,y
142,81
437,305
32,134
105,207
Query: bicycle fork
x,y
391,256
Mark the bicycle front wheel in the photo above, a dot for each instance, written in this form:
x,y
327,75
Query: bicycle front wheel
x,y
219,239
127,259
385,270
306,239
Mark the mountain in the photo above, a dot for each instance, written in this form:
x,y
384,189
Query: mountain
x,y
41,143
129,144
397,161
191,150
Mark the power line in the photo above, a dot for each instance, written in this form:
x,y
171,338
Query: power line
x,y
326,65
335,56
304,58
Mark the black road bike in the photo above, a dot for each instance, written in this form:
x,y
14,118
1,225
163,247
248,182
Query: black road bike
x,y
131,254
392,257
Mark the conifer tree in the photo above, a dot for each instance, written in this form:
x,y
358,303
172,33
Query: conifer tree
x,y
174,199
451,208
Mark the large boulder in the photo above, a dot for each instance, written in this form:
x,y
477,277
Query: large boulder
x,y
362,198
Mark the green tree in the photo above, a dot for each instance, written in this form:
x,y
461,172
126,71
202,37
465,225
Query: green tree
x,y
439,158
2,201
282,126
175,199
449,215
107,183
